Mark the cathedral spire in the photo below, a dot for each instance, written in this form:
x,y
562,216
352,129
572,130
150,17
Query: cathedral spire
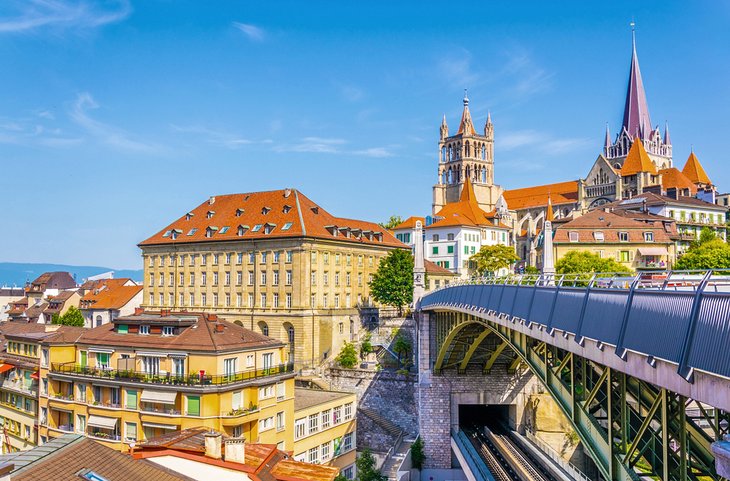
x,y
636,111
607,142
466,126
667,139
444,128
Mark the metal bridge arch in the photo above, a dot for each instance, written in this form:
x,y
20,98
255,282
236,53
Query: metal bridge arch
x,y
646,432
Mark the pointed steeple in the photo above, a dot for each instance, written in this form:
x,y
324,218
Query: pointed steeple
x,y
444,128
607,142
489,126
694,170
636,110
467,192
550,214
667,139
466,127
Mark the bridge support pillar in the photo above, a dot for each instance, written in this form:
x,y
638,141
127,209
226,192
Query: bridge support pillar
x,y
721,450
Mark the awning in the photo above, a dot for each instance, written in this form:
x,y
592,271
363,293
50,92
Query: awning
x,y
6,367
171,427
653,251
163,397
151,354
101,350
35,375
102,422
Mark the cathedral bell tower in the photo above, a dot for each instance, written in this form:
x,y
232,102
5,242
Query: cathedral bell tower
x,y
466,154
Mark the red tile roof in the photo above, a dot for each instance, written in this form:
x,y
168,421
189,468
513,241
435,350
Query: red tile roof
x,y
672,178
637,161
410,223
610,224
112,296
283,213
560,193
436,270
465,212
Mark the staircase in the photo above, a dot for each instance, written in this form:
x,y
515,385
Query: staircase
x,y
393,462
389,426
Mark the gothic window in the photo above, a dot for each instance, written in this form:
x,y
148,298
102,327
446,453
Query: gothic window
x,y
484,175
484,152
444,154
468,150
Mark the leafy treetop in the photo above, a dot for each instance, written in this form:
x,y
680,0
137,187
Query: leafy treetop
x,y
490,259
72,317
392,284
713,254
583,262
392,222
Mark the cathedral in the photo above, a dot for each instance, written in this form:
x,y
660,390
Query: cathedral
x,y
636,163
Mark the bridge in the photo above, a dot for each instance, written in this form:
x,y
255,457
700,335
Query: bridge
x,y
638,365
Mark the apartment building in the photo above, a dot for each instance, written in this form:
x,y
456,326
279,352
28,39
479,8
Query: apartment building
x,y
150,373
325,429
274,262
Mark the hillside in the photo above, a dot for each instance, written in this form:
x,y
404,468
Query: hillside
x,y
17,273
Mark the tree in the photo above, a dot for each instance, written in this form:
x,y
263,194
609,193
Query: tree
x,y
392,284
72,317
347,357
366,468
706,235
366,347
417,454
401,346
713,254
341,477
584,262
490,259
392,222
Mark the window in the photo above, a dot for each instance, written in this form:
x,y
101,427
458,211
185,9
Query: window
x,y
80,423
192,299
239,300
337,278
168,330
239,258
276,299
450,249
348,442
250,278
598,236
228,279
102,360
450,237
623,236
313,455
250,360
435,250
326,417
266,424
203,278
300,428
277,256
144,329
289,256
348,411
130,431
229,366
263,257
286,226
648,237
44,357
239,278
313,423
178,366
288,278
573,236
336,415
337,301
434,238
263,300
624,256
325,302
151,365
280,421
263,278
81,392
349,472
228,300
215,278
193,405
267,392
275,280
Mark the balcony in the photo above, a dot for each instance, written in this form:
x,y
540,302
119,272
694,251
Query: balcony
x,y
63,397
104,436
193,380
158,409
21,387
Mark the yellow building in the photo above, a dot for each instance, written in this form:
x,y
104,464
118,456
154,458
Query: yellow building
x,y
274,262
325,429
154,372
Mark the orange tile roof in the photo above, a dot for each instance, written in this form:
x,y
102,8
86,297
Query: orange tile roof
x,y
465,212
694,171
466,126
672,178
410,223
610,224
637,161
287,213
537,196
112,296
436,270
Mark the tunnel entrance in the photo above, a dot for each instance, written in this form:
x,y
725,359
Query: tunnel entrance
x,y
490,415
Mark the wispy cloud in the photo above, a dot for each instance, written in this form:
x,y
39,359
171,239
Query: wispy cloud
x,y
30,131
222,139
257,34
527,76
321,145
351,93
31,15
457,68
104,133
541,141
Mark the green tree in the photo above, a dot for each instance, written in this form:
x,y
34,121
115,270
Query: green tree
x,y
490,259
347,357
366,347
706,235
417,454
392,222
392,284
366,468
531,270
55,318
584,262
401,346
714,254
341,477
72,317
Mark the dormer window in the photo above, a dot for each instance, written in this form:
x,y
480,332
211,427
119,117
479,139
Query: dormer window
x,y
210,214
623,236
189,216
573,236
242,229
269,228
286,226
210,231
315,209
175,233
648,237
239,212
144,329
168,330
286,209
598,235
265,210
379,236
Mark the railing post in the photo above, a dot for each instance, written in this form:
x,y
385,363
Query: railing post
x,y
620,350
684,370
578,337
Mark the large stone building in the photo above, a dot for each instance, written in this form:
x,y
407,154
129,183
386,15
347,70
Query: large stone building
x,y
274,262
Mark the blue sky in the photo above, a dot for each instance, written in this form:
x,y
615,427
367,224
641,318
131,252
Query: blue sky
x,y
119,116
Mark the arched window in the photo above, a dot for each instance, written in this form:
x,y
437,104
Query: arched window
x,y
484,152
98,321
264,328
484,176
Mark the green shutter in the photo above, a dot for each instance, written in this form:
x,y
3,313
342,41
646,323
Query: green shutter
x,y
131,399
194,405
122,329
83,358
450,249
435,250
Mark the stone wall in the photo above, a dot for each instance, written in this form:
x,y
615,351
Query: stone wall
x,y
391,395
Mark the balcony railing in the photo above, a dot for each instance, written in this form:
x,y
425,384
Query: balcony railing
x,y
197,379
158,409
22,387
104,436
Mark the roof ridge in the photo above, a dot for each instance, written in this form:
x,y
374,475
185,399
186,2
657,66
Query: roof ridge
x,y
299,211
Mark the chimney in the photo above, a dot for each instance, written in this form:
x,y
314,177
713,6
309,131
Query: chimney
x,y
235,450
164,312
138,311
211,201
219,327
213,444
212,317
287,192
